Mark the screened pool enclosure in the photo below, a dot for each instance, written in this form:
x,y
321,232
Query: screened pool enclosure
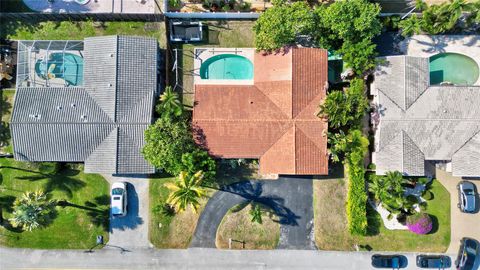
x,y
43,63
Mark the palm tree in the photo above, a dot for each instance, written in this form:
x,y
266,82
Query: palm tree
x,y
186,191
32,210
410,26
170,103
378,188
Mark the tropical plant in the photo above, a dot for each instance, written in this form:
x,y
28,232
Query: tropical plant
x,y
342,144
420,223
170,105
256,214
410,26
32,210
281,24
165,143
186,191
174,4
359,56
199,160
345,109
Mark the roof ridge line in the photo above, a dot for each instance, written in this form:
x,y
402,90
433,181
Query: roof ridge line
x,y
467,141
275,141
271,101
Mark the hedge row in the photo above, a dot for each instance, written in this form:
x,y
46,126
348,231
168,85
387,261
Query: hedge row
x,y
356,193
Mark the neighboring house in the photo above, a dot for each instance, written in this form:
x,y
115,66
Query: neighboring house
x,y
85,102
418,122
272,116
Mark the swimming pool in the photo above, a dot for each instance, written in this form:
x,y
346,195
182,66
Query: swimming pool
x,y
454,68
68,68
227,67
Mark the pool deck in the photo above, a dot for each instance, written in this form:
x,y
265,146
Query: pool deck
x,y
202,54
426,46
93,6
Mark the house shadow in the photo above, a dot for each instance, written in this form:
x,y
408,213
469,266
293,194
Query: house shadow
x,y
132,220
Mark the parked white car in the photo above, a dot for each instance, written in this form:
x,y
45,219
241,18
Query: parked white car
x,y
119,199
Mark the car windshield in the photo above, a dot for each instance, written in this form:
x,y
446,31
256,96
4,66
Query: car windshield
x,y
116,198
468,256
469,192
117,191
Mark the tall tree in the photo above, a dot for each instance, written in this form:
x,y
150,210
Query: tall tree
x,y
186,191
281,24
32,210
165,143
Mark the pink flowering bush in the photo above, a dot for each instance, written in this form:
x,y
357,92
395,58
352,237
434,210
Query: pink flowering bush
x,y
420,223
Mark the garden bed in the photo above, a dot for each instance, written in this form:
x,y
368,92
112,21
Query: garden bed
x,y
331,231
75,226
237,225
6,107
218,6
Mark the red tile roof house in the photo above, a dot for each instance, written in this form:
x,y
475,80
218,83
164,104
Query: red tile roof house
x,y
274,119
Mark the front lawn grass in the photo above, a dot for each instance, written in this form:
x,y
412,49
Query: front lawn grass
x,y
75,226
67,30
224,34
169,230
6,106
238,226
331,224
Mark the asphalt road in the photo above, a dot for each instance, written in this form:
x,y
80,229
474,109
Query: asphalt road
x,y
197,258
290,197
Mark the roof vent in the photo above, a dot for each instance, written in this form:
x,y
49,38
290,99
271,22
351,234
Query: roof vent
x,y
109,85
35,116
111,55
59,108
83,117
73,105
445,111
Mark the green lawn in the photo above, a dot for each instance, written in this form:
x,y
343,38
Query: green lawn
x,y
67,30
6,105
237,225
165,230
226,34
75,226
331,224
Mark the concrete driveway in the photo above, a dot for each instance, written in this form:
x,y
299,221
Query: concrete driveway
x,y
463,225
131,231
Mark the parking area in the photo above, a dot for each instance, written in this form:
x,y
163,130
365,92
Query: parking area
x,y
462,224
131,231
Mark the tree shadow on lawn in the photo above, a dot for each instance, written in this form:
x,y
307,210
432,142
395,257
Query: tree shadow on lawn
x,y
435,224
63,181
374,221
98,213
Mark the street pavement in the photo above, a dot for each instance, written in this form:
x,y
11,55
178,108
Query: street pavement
x,y
194,258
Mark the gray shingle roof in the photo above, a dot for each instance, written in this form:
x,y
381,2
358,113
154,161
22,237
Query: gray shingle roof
x,y
101,123
419,122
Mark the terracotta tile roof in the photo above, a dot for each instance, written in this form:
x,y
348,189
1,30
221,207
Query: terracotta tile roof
x,y
274,119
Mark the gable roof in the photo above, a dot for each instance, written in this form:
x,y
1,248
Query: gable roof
x,y
102,123
274,119
428,122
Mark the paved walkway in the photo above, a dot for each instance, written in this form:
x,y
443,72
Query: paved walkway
x,y
462,225
197,258
131,231
290,197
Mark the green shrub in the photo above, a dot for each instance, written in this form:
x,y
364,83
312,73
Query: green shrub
x,y
423,206
427,195
356,193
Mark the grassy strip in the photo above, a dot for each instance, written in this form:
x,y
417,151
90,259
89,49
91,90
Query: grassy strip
x,y
75,226
238,226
